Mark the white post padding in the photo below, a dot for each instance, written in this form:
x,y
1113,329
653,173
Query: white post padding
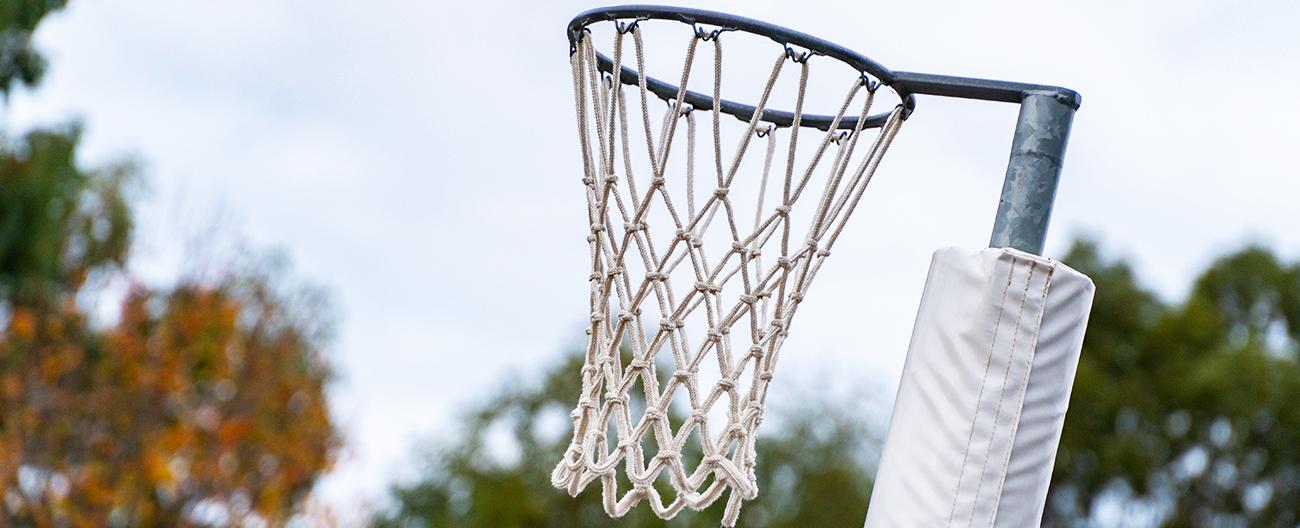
x,y
985,387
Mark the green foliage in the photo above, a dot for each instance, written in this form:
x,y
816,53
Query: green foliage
x,y
19,61
811,470
58,222
1188,412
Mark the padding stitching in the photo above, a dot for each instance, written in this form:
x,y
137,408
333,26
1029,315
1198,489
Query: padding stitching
x,y
996,327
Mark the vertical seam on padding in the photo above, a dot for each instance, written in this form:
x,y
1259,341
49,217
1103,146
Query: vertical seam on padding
x,y
1011,271
1015,424
1015,334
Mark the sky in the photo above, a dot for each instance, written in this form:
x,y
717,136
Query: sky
x,y
417,160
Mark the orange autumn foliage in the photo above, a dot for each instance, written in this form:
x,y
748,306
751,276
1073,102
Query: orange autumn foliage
x,y
201,395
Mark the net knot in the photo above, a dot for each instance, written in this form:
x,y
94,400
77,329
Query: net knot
x,y
784,263
668,454
713,460
824,252
611,179
656,276
748,299
654,414
689,238
783,211
657,181
720,192
588,181
611,397
705,287
638,364
765,376
726,384
596,275
596,318
683,376
718,334
736,430
596,228
756,351
698,415
796,297
591,238
634,226
615,271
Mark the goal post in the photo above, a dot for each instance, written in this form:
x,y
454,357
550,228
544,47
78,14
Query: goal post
x,y
990,365
1037,153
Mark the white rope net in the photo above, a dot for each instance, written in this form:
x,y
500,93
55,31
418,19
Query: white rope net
x,y
685,278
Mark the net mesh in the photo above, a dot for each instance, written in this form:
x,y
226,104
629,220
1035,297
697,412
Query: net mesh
x,y
693,292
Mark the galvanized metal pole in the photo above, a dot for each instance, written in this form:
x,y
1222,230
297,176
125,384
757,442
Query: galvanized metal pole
x,y
1037,151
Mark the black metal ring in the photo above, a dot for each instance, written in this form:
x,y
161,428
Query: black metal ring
x,y
784,36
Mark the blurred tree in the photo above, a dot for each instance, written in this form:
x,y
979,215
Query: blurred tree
x,y
1188,414
812,470
19,62
203,404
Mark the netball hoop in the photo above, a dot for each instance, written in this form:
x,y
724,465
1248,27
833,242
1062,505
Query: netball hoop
x,y
707,232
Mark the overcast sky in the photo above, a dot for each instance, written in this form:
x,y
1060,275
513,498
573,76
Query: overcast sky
x,y
417,159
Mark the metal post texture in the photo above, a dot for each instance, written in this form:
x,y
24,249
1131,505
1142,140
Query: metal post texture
x,y
1037,151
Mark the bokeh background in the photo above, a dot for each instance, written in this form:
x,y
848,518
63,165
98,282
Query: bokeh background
x,y
235,290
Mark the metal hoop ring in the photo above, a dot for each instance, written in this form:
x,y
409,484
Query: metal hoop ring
x,y
788,38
